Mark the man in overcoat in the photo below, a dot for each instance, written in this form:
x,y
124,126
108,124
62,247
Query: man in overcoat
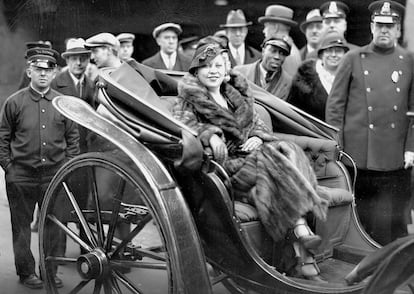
x,y
313,30
268,72
168,57
372,91
35,141
236,28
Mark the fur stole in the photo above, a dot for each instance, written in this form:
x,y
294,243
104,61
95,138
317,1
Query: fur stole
x,y
307,91
233,121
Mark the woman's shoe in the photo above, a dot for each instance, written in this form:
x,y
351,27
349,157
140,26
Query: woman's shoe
x,y
311,271
304,235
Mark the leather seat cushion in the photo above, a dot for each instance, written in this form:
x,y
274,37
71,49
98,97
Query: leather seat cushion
x,y
245,212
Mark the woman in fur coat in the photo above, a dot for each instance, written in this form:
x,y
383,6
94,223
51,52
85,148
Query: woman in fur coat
x,y
273,175
313,81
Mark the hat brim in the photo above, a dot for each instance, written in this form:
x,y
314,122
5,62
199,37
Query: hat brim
x,y
178,31
289,22
236,25
80,52
306,23
320,50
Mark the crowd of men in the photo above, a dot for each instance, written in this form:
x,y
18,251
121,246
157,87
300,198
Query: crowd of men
x,y
367,95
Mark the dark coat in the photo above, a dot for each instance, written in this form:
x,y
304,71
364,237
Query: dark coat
x,y
181,64
276,177
250,56
307,91
368,102
63,83
279,87
304,53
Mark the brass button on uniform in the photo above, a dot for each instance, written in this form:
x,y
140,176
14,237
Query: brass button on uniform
x,y
371,126
398,90
43,110
366,72
395,107
43,159
43,127
362,55
393,126
370,108
44,143
401,57
368,90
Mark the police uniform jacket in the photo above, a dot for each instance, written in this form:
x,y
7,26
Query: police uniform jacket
x,y
182,62
279,87
35,139
251,55
368,102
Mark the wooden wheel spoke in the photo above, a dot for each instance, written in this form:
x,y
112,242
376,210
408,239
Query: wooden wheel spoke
x,y
127,282
69,232
98,286
132,234
139,264
151,254
80,215
101,234
79,286
60,260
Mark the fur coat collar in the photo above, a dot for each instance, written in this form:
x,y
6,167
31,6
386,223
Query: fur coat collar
x,y
236,91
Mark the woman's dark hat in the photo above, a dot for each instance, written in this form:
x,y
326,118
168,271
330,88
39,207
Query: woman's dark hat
x,y
236,19
333,40
313,16
386,11
42,57
278,13
204,54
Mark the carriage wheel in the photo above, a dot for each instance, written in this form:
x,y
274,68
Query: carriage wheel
x,y
101,232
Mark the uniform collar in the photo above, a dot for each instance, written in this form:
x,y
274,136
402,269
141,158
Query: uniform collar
x,y
372,48
36,95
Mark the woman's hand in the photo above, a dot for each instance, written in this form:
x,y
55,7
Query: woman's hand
x,y
251,144
219,148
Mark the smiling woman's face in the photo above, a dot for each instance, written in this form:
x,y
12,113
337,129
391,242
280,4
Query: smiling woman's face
x,y
212,74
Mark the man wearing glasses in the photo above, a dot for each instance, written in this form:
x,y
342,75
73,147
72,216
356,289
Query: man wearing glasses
x,y
35,140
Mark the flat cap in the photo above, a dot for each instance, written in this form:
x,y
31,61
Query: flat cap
x,y
281,41
42,57
125,37
334,9
386,11
101,40
167,26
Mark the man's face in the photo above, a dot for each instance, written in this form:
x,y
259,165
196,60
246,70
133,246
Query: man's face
x,y
385,35
270,29
314,32
236,35
272,58
168,41
40,77
77,64
101,56
335,24
126,50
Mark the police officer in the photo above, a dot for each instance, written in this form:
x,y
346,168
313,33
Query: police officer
x,y
372,91
35,140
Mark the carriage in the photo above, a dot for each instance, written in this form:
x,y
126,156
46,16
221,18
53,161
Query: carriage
x,y
153,213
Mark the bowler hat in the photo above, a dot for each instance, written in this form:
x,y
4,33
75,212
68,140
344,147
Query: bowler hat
x,y
278,13
125,37
235,19
334,9
204,54
42,57
101,40
281,41
167,26
333,40
74,47
313,16
386,11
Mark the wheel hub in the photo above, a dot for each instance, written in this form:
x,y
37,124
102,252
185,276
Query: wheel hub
x,y
92,265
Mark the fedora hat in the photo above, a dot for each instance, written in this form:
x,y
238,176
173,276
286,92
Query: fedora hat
x,y
313,16
74,47
278,13
235,19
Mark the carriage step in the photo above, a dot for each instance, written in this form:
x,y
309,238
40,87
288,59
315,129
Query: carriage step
x,y
350,254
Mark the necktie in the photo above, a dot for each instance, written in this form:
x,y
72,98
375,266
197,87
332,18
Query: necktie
x,y
269,76
79,88
238,58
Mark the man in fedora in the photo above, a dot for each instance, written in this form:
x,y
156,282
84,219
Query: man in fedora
x,y
278,19
35,141
313,30
236,31
126,41
371,94
334,19
168,57
267,72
